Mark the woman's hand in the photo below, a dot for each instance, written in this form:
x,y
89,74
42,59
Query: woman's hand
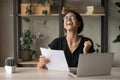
x,y
42,62
87,46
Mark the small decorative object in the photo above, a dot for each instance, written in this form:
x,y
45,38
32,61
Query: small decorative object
x,y
10,65
90,9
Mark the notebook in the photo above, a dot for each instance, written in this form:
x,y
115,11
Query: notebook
x,y
93,65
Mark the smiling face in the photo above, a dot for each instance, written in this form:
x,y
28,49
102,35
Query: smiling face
x,y
70,22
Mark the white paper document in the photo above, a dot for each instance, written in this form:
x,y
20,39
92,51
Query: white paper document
x,y
57,59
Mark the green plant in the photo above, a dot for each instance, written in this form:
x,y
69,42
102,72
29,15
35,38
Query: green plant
x,y
118,36
44,12
28,12
97,50
10,61
29,9
26,42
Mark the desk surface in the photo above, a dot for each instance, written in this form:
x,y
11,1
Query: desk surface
x,y
25,73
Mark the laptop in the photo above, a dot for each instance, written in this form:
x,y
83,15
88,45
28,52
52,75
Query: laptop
x,y
93,64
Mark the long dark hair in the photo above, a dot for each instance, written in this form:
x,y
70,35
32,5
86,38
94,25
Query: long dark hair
x,y
79,18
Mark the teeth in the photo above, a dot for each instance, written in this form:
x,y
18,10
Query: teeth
x,y
69,23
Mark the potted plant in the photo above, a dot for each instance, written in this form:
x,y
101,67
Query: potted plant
x,y
42,7
26,42
118,36
10,65
38,7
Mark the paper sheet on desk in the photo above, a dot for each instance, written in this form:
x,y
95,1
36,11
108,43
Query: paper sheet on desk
x,y
57,59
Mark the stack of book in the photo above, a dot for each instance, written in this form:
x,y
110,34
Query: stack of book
x,y
65,9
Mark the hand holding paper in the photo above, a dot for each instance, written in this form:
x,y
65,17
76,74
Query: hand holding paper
x,y
57,59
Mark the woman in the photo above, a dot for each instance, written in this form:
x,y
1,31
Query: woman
x,y
72,44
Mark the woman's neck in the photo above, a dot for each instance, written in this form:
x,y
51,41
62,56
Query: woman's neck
x,y
73,41
72,37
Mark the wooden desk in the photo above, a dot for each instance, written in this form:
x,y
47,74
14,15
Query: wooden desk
x,y
31,73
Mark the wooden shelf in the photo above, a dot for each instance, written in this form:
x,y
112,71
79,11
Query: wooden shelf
x,y
34,62
82,14
94,14
38,15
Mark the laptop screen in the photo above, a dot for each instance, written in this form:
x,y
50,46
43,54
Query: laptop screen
x,y
94,64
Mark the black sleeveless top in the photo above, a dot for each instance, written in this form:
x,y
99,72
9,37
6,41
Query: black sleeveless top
x,y
72,58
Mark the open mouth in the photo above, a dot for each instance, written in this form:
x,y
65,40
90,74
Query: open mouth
x,y
69,24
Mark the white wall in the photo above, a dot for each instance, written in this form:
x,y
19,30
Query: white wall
x,y
92,28
114,22
6,30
